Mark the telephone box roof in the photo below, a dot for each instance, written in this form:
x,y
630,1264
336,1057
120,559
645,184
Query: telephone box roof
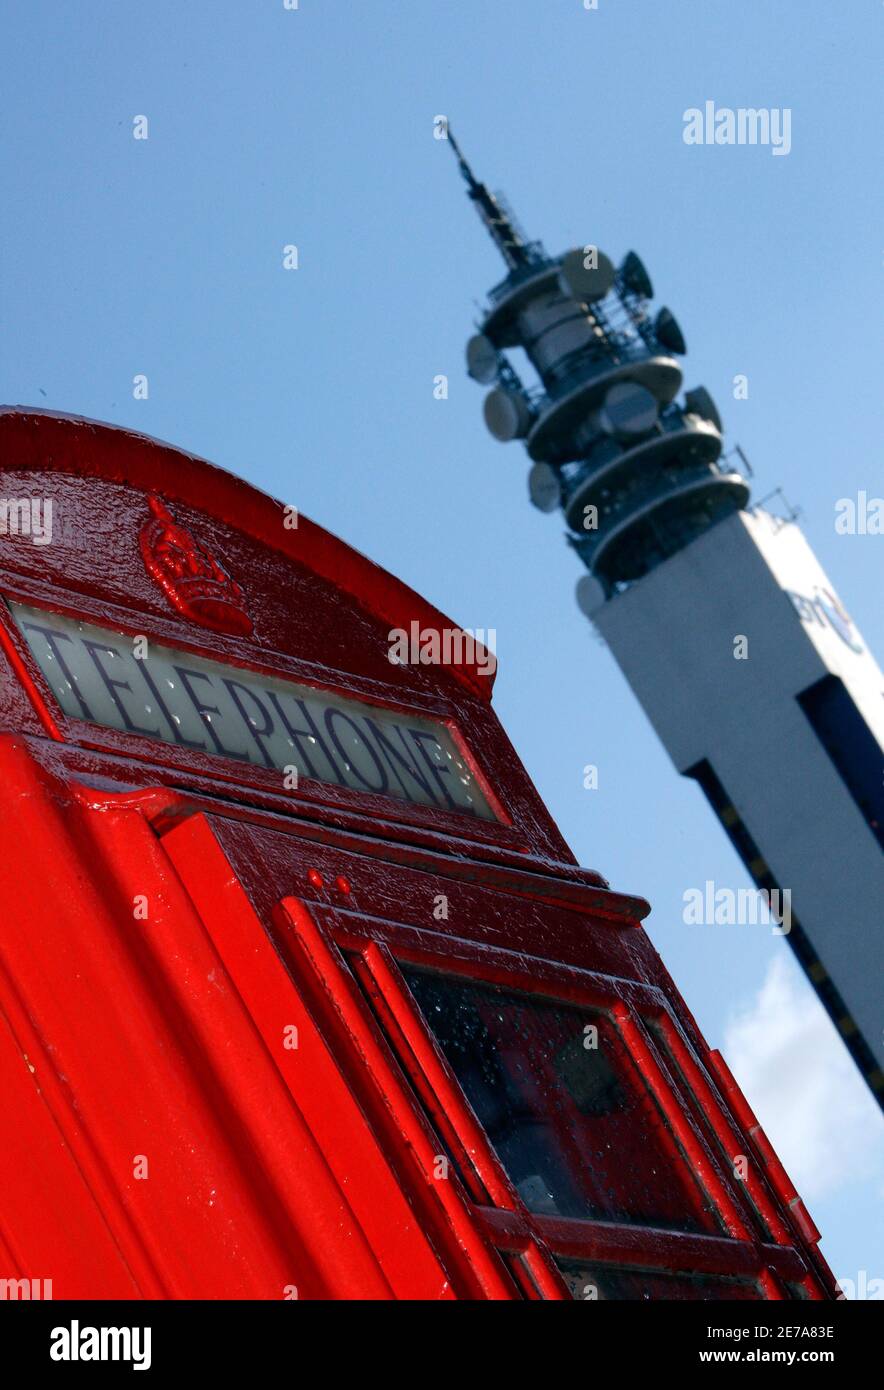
x,y
32,438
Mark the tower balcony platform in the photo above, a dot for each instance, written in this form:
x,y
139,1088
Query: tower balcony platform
x,y
555,437
685,437
652,523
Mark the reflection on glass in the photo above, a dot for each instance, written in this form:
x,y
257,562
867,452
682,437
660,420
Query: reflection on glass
x,y
605,1282
564,1106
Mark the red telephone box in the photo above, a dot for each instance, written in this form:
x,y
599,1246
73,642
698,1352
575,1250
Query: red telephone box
x,y
302,993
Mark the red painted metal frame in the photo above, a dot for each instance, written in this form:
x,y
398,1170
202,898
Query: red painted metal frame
x,y
506,1222
30,676
344,1005
779,1178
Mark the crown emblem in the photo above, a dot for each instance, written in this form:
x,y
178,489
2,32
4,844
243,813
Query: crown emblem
x,y
193,582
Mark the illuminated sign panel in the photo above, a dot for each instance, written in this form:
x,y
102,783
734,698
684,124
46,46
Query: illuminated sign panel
x,y
102,677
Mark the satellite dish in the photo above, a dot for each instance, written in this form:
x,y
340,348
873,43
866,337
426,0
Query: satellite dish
x,y
586,282
633,276
628,410
543,487
699,402
507,415
590,595
483,363
668,333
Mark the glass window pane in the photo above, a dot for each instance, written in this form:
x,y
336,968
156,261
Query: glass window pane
x,y
558,1095
606,1282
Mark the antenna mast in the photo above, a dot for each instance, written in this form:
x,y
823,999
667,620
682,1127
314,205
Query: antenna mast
x,y
503,233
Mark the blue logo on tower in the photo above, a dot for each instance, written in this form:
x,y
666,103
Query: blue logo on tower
x,y
825,610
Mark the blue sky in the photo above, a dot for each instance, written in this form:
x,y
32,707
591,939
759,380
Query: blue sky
x,y
315,127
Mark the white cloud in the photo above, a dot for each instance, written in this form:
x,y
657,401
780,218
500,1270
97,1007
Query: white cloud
x,y
807,1093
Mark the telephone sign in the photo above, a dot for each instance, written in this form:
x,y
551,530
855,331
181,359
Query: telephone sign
x,y
160,693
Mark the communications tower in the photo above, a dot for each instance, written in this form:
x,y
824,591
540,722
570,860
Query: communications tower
x,y
682,577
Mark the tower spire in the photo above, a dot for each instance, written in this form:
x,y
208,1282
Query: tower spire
x,y
636,474
503,233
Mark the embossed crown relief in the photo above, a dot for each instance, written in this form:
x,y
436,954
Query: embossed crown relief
x,y
192,580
